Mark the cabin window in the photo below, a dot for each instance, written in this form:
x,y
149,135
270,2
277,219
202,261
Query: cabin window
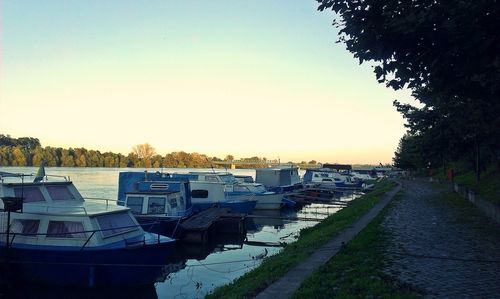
x,y
112,224
199,193
65,229
211,178
173,202
327,180
156,205
30,194
316,175
239,188
135,204
59,192
337,180
24,226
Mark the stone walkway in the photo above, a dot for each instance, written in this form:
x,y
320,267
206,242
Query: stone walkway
x,y
291,281
456,251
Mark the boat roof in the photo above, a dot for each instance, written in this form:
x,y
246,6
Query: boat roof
x,y
72,208
283,168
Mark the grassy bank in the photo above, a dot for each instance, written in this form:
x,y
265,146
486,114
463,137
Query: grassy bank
x,y
310,239
355,272
487,188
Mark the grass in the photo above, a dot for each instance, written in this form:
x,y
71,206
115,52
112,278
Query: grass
x,y
355,272
487,188
310,239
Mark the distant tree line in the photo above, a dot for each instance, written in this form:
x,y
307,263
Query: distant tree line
x,y
448,54
27,151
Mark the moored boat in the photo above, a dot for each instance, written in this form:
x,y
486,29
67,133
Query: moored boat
x,y
51,235
157,201
212,189
328,178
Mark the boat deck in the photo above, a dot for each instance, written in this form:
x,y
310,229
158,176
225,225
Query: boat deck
x,y
199,227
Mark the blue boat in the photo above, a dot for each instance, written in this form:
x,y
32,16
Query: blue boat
x,y
51,235
158,201
214,189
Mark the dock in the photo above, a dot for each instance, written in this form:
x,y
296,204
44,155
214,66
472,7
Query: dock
x,y
200,227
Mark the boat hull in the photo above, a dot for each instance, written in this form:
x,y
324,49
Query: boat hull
x,y
141,265
236,206
269,201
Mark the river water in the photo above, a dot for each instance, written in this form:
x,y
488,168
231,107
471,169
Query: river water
x,y
196,270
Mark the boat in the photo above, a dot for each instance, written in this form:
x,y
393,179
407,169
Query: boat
x,y
158,202
50,235
331,179
279,179
212,189
236,189
266,200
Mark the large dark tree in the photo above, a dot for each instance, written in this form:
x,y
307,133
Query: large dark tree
x,y
446,52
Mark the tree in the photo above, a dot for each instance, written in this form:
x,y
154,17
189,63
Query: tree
x,y
144,151
18,157
446,52
408,156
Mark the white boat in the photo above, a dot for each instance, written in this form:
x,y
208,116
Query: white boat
x,y
279,179
328,178
211,189
234,189
51,235
266,200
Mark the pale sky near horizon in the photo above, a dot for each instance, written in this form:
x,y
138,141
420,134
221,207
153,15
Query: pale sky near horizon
x,y
246,78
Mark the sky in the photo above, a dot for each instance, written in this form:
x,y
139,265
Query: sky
x,y
246,78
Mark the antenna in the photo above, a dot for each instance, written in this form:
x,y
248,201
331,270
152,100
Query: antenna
x,y
211,165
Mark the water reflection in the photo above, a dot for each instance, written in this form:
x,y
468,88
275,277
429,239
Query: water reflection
x,y
196,269
37,292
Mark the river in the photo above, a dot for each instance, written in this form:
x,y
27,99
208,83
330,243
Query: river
x,y
197,270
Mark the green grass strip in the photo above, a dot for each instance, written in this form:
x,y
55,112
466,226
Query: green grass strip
x,y
355,272
274,267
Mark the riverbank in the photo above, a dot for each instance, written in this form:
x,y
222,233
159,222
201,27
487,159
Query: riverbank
x,y
356,271
310,239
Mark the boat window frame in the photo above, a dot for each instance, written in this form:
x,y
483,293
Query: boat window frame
x,y
142,204
22,233
125,230
48,187
195,192
23,189
51,235
157,197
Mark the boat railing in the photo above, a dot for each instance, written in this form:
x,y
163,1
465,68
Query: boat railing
x,y
107,200
92,233
56,209
45,178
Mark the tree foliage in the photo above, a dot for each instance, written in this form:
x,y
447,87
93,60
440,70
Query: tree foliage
x,y
27,151
446,52
144,151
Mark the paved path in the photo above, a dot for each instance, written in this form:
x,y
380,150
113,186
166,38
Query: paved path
x,y
420,224
291,281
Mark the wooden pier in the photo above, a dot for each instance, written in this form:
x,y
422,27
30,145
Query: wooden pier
x,y
202,226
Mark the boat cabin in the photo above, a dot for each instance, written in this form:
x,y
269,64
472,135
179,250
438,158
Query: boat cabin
x,y
154,194
273,178
56,214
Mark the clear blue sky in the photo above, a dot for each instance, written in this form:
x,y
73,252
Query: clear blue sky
x,y
247,78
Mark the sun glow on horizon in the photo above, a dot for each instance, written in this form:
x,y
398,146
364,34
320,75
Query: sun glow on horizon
x,y
245,79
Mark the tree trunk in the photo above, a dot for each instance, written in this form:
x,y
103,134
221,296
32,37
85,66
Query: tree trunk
x,y
478,163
